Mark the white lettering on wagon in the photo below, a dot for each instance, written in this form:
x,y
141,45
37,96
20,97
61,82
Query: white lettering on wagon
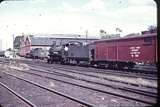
x,y
135,51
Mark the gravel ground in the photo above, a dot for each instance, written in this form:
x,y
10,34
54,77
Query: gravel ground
x,y
100,99
102,80
8,99
128,80
100,87
36,95
97,98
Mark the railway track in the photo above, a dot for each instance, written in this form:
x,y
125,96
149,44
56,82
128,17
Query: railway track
x,y
99,90
101,71
113,72
79,101
136,74
54,72
148,94
21,98
70,70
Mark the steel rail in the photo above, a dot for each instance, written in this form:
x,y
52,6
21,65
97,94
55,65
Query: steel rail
x,y
113,72
127,89
146,93
71,70
118,95
54,91
131,98
18,95
92,76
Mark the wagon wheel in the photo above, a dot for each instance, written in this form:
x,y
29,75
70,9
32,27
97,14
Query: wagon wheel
x,y
111,66
77,62
130,65
120,66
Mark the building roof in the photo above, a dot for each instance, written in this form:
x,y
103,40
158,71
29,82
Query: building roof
x,y
129,37
47,41
41,41
62,35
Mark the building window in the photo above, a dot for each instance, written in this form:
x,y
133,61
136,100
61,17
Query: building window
x,y
148,41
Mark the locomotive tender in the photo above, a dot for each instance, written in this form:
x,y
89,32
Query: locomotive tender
x,y
2,53
37,53
119,53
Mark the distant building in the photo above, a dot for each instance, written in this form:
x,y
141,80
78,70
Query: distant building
x,y
110,36
0,44
17,42
132,34
28,43
149,31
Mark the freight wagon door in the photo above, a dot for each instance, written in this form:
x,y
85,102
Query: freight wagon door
x,y
100,52
112,53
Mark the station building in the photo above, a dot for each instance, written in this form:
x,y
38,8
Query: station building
x,y
29,42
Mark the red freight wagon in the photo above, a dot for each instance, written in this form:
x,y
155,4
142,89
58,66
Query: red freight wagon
x,y
126,51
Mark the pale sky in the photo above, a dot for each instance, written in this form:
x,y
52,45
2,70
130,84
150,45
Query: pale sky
x,y
74,17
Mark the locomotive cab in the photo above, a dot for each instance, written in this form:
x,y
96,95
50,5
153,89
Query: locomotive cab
x,y
76,53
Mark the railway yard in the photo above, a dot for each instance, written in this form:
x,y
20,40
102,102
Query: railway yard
x,y
35,83
89,53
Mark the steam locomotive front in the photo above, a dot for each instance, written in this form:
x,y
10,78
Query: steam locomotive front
x,y
55,54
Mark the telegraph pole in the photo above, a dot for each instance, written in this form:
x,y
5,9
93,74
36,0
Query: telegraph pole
x,y
13,47
86,36
13,41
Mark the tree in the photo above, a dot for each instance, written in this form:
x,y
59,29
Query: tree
x,y
152,28
118,30
110,36
102,33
